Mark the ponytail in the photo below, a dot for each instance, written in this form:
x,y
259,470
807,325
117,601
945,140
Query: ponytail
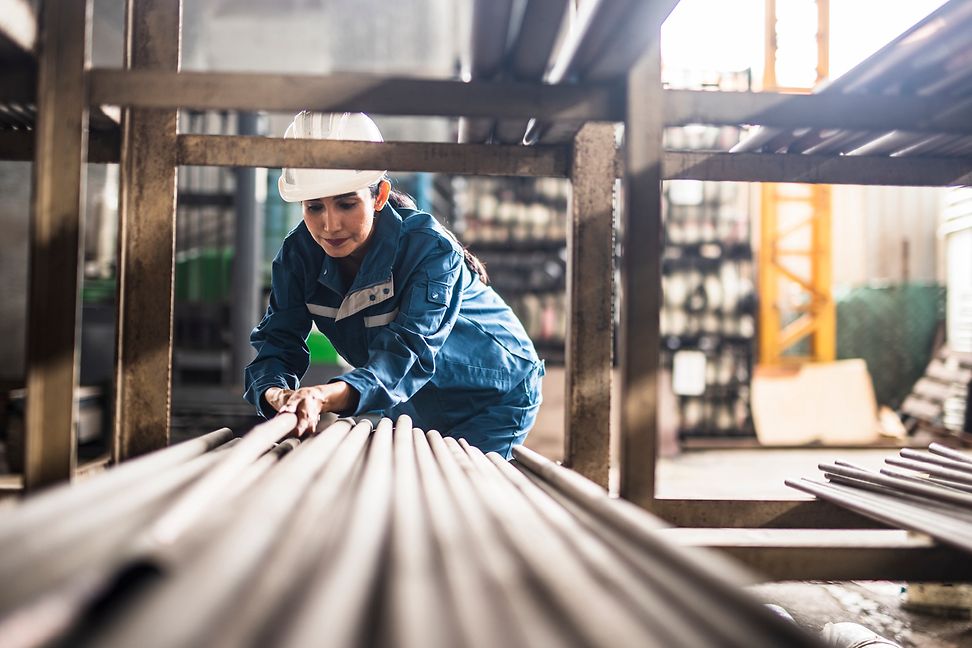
x,y
401,200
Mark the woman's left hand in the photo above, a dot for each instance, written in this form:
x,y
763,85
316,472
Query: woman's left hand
x,y
308,403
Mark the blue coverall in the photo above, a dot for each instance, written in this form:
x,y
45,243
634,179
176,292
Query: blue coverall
x,y
426,337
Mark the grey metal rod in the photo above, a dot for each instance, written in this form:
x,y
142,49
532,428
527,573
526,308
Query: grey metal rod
x,y
944,462
18,523
548,557
200,589
507,612
682,572
945,451
929,491
343,595
895,514
417,598
931,469
263,608
655,609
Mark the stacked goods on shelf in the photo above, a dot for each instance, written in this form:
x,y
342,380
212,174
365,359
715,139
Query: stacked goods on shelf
x,y
709,310
517,227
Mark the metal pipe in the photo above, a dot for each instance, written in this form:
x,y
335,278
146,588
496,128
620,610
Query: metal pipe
x,y
931,469
896,515
17,524
944,451
944,462
931,492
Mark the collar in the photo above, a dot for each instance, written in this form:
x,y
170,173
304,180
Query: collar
x,y
376,268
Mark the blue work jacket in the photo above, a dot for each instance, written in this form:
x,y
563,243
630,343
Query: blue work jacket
x,y
426,337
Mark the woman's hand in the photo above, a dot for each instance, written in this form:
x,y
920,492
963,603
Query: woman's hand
x,y
308,403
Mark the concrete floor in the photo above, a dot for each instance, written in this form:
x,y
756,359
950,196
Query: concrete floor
x,y
758,474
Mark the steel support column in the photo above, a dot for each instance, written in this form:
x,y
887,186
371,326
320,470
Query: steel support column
x,y
147,239
641,277
247,271
590,282
53,314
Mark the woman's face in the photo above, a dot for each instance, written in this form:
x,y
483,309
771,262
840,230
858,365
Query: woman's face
x,y
341,224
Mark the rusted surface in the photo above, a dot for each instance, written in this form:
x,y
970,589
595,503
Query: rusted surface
x,y
477,159
590,288
147,234
354,92
641,279
55,244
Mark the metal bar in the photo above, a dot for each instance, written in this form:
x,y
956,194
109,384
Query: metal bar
x,y
345,594
707,572
568,586
53,309
962,477
476,159
639,338
146,262
832,554
945,451
817,169
353,92
888,510
590,294
925,457
247,273
849,112
18,146
312,532
922,490
203,578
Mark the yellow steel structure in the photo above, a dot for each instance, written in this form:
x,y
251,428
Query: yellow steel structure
x,y
797,315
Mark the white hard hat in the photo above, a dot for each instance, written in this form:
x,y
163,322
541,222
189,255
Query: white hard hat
x,y
305,184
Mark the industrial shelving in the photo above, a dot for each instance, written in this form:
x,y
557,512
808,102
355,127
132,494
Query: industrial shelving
x,y
619,82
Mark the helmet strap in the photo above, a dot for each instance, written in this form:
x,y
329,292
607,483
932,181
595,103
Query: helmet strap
x,y
384,189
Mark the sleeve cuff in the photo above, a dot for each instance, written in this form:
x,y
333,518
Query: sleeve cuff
x,y
363,385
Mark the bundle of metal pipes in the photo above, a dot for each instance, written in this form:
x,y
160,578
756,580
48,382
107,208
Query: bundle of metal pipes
x,y
933,495
930,59
358,536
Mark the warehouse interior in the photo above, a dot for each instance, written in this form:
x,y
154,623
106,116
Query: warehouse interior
x,y
739,235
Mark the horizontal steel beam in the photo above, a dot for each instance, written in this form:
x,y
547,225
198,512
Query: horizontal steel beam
x,y
846,112
832,554
779,514
817,169
357,92
476,159
18,146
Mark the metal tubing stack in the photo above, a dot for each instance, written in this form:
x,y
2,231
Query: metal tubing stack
x,y
928,60
932,495
384,536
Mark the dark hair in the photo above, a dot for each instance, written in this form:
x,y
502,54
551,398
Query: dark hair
x,y
401,200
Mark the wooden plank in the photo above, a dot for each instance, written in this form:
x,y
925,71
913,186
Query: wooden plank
x,y
833,554
590,291
56,238
147,232
354,92
639,340
476,159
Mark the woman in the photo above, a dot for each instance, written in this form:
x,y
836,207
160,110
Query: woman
x,y
400,299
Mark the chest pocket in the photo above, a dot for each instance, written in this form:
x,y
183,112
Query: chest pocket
x,y
438,292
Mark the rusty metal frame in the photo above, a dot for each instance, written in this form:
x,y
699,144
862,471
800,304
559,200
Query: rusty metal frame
x,y
146,263
590,324
55,243
153,89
